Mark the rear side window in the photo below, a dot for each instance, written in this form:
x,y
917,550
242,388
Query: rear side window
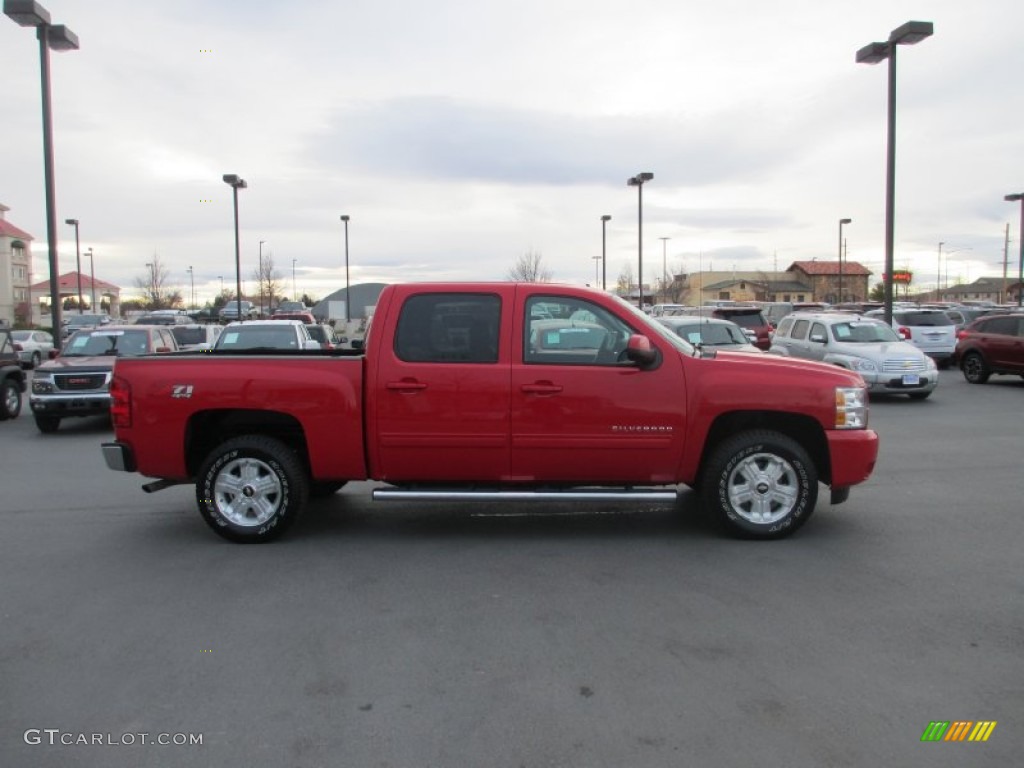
x,y
1007,326
918,319
800,329
784,327
449,328
743,319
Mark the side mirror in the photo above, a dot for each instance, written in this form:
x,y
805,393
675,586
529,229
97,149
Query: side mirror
x,y
357,344
53,353
640,351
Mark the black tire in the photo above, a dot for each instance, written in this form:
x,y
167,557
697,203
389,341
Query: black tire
x,y
760,485
974,368
919,395
47,424
261,473
10,399
323,488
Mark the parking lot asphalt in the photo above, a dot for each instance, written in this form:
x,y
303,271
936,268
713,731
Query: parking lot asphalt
x,y
415,635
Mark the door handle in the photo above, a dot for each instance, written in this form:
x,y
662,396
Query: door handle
x,y
405,386
541,388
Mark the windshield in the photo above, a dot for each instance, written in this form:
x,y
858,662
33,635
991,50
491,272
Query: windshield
x,y
96,343
258,337
710,334
20,335
918,319
863,332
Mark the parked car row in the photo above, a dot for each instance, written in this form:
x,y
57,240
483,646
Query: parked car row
x,y
993,344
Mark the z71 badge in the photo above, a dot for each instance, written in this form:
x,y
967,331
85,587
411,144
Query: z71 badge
x,y
181,390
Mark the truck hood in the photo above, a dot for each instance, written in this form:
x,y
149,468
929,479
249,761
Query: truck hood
x,y
73,363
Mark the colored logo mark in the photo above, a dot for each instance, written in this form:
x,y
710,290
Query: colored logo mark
x,y
958,730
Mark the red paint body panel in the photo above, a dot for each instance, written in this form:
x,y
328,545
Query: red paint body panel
x,y
509,422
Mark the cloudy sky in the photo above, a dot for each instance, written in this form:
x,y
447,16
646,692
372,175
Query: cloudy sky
x,y
460,134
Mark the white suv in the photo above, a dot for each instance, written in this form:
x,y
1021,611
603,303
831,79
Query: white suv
x,y
930,330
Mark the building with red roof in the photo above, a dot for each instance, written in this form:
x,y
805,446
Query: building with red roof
x,y
15,271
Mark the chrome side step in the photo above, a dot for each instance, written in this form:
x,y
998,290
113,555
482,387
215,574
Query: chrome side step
x,y
574,494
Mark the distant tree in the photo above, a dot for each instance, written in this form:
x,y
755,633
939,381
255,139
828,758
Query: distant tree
x,y
877,293
268,280
625,282
529,269
308,300
156,293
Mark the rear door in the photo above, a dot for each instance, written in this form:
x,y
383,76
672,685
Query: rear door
x,y
1003,343
579,411
440,409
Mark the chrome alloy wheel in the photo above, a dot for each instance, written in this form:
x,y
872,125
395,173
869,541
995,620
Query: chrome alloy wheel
x,y
12,399
247,492
763,488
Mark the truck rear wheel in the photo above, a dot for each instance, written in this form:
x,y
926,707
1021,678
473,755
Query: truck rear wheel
x,y
760,485
251,489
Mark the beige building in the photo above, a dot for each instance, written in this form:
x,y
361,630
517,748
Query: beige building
x,y
803,281
15,271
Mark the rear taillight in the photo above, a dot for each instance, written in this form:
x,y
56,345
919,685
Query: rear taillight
x,y
120,402
904,333
961,334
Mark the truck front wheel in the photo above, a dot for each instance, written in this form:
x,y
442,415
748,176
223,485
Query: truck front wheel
x,y
251,489
760,485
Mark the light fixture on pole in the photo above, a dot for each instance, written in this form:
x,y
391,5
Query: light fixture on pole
x,y
28,13
1020,238
841,222
348,312
78,262
604,251
664,267
638,181
92,281
948,254
910,33
236,184
261,275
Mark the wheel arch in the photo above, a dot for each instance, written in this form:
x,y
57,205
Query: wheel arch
x,y
208,429
804,429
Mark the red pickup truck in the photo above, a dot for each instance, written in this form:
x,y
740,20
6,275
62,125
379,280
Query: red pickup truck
x,y
495,391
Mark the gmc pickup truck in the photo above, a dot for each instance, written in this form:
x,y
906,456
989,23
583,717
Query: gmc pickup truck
x,y
495,391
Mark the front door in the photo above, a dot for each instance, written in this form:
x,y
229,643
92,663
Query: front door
x,y
580,411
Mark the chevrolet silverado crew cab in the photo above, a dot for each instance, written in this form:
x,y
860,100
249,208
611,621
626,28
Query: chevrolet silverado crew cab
x,y
467,392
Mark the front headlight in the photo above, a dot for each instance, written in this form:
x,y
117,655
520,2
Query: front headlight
x,y
851,407
860,364
42,384
930,363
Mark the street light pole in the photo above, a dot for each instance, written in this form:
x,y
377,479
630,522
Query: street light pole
x,y
841,222
348,312
236,184
78,262
638,181
1020,239
938,276
192,289
604,251
597,267
295,294
152,285
28,13
92,281
910,33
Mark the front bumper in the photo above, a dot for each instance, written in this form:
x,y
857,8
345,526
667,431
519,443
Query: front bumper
x,y
894,383
853,454
77,404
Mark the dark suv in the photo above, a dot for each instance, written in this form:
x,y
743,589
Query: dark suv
x,y
750,319
12,378
991,344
